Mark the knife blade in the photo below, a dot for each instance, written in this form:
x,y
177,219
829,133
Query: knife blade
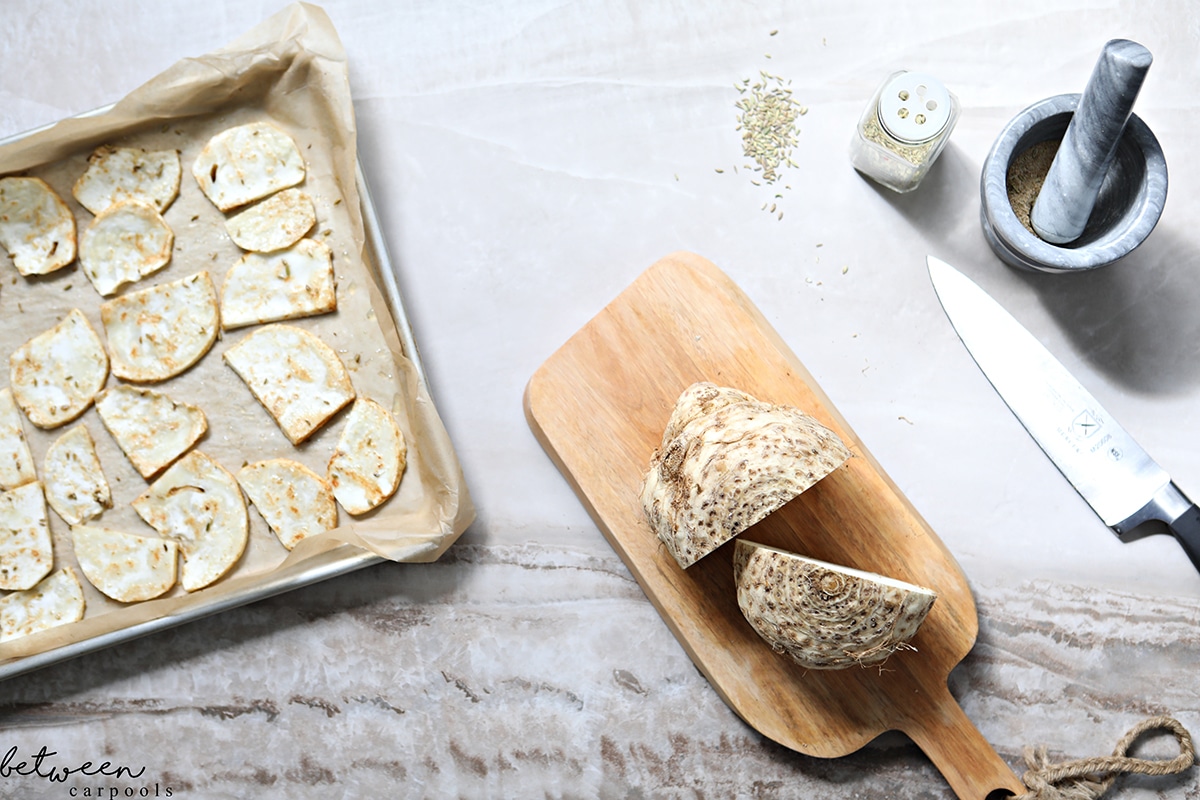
x,y
1111,471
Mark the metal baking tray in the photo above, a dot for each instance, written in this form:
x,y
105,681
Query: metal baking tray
x,y
338,561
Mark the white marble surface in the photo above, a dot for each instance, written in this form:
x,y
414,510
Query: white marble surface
x,y
529,160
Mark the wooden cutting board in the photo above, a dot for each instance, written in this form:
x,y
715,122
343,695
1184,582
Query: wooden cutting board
x,y
599,406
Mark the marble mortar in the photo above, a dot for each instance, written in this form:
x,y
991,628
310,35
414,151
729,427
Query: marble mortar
x,y
1128,206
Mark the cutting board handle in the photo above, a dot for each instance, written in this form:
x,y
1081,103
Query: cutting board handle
x,y
968,762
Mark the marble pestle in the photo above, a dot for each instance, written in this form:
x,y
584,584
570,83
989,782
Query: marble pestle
x,y
1072,185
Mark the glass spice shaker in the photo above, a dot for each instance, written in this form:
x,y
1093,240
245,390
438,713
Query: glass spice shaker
x,y
903,130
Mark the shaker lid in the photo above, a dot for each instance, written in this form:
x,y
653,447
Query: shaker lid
x,y
914,107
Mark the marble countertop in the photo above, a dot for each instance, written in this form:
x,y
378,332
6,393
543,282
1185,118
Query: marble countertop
x,y
529,159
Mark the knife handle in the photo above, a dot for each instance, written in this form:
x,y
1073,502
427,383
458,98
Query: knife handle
x,y
1186,528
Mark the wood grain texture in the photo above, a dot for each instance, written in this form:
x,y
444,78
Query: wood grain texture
x,y
599,405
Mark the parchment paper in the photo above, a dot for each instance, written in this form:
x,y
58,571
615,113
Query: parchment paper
x,y
290,70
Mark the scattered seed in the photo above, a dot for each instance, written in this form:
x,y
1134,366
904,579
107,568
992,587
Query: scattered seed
x,y
767,120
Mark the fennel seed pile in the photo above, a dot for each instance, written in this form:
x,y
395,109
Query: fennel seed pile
x,y
767,115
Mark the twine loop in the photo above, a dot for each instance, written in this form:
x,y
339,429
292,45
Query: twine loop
x,y
1089,778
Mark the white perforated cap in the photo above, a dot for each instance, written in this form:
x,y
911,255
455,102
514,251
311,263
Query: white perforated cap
x,y
914,107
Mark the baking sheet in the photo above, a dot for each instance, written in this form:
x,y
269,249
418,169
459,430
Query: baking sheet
x,y
290,70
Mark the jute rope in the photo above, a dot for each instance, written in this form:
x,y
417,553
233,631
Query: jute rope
x,y
1089,778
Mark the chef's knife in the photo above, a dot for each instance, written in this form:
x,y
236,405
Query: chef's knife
x,y
1117,478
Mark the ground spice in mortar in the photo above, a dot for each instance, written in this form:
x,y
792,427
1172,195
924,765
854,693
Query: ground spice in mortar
x,y
1025,176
